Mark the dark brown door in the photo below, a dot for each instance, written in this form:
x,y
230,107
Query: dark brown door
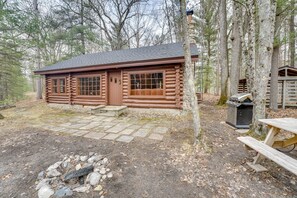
x,y
115,88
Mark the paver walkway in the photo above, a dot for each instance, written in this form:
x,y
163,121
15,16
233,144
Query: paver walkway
x,y
123,129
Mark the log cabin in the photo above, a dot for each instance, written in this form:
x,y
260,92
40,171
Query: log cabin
x,y
149,77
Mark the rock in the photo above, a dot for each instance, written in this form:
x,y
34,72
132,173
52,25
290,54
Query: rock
x,y
91,154
104,161
77,167
107,170
45,192
54,166
94,178
62,192
98,188
102,171
83,158
53,173
76,158
94,158
43,182
40,175
78,173
109,175
65,164
82,188
104,177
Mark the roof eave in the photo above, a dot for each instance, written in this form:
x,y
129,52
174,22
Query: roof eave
x,y
117,65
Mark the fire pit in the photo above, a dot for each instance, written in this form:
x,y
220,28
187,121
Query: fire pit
x,y
75,173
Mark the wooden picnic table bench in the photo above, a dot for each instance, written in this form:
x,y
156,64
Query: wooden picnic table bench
x,y
266,148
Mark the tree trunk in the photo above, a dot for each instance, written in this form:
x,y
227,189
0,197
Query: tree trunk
x,y
82,31
275,64
266,34
292,34
189,75
38,57
207,68
236,50
223,57
251,61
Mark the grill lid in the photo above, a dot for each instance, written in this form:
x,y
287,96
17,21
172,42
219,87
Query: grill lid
x,y
242,97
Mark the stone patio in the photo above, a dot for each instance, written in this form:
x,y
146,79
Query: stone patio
x,y
122,129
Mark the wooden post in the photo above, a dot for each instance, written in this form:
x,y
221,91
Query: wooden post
x,y
69,88
106,87
284,94
46,88
177,87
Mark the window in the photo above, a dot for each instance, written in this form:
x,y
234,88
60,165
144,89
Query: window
x,y
59,85
147,84
89,86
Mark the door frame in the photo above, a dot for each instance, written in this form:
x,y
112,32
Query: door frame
x,y
108,85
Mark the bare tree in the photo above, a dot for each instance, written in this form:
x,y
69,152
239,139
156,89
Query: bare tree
x,y
266,10
292,39
111,16
236,48
223,52
275,62
38,56
189,85
250,52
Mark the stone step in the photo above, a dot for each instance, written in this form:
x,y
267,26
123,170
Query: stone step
x,y
111,111
96,109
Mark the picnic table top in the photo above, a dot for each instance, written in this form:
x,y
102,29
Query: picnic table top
x,y
288,124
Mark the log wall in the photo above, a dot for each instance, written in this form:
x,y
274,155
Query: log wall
x,y
173,88
71,96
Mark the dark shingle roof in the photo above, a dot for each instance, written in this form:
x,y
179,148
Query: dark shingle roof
x,y
157,52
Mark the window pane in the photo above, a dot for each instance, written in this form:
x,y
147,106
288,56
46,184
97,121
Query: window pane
x,y
55,86
146,83
89,86
62,85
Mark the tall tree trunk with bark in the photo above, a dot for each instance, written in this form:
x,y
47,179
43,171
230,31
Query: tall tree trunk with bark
x,y
82,30
292,45
266,34
38,55
189,84
236,49
251,46
275,62
223,52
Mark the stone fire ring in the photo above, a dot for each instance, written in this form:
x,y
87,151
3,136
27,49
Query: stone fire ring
x,y
75,173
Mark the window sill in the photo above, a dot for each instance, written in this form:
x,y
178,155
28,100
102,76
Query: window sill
x,y
146,96
57,94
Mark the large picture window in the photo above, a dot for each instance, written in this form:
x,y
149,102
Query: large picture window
x,y
89,86
59,86
147,84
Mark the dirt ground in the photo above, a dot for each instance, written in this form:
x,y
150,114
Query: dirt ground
x,y
143,167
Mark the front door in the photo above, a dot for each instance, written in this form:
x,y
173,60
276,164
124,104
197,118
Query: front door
x,y
115,88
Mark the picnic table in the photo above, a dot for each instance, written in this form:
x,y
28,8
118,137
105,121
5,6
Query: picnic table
x,y
267,149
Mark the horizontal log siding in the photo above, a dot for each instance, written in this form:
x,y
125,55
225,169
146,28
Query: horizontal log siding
x,y
56,98
71,96
88,100
172,96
